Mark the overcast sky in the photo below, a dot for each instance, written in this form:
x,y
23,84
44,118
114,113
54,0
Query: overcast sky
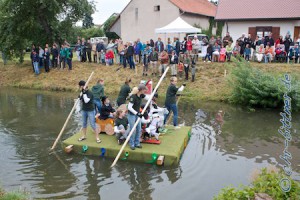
x,y
104,8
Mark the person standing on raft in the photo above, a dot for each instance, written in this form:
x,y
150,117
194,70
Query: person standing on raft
x,y
170,102
88,111
124,92
98,93
133,114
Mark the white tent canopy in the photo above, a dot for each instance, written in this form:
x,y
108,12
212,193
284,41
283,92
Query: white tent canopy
x,y
178,26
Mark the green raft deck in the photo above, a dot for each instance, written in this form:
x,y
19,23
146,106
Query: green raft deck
x,y
172,146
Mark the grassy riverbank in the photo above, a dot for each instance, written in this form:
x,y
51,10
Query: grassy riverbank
x,y
210,84
14,195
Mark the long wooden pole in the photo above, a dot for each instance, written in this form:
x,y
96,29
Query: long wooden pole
x,y
68,118
138,120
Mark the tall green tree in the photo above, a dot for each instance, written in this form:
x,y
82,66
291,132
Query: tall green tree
x,y
87,21
38,21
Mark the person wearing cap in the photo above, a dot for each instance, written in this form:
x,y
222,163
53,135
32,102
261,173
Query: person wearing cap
x,y
134,106
107,111
170,101
87,111
124,92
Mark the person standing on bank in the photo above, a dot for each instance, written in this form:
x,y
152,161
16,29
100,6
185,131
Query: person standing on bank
x,y
124,92
98,93
134,107
170,102
87,111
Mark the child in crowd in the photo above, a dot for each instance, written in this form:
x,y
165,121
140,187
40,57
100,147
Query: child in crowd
x,y
173,63
268,54
46,56
122,127
180,70
107,110
209,52
35,60
109,56
145,57
186,64
247,52
229,50
222,54
193,71
102,57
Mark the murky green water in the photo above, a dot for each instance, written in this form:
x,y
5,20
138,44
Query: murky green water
x,y
216,156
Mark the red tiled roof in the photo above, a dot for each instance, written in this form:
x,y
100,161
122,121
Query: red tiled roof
x,y
202,7
257,9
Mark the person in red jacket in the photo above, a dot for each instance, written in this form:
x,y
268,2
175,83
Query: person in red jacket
x,y
109,56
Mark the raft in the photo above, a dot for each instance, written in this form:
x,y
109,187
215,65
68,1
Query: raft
x,y
171,148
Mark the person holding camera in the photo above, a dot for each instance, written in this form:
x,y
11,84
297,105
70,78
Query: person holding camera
x,y
88,111
170,102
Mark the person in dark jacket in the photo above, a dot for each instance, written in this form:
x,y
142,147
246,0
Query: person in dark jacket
x,y
35,61
269,40
83,50
208,53
107,111
89,50
177,46
124,92
129,55
287,42
46,56
54,53
100,46
159,45
98,93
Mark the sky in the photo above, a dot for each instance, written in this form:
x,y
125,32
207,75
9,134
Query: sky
x,y
105,8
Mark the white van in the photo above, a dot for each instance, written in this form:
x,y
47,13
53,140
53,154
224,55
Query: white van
x,y
97,39
200,38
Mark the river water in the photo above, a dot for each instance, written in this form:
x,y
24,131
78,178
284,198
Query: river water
x,y
218,154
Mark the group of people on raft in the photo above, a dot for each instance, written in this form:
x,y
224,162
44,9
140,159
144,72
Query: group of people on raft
x,y
94,104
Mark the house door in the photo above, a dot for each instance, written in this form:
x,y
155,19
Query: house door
x,y
296,31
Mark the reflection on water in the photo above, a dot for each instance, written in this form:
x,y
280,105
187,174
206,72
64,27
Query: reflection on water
x,y
225,147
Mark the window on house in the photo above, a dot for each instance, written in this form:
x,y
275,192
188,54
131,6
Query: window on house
x,y
136,13
263,31
157,8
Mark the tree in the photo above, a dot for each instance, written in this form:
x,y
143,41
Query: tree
x,y
87,21
108,23
38,21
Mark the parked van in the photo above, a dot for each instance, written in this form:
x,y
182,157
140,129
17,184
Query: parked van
x,y
200,38
97,39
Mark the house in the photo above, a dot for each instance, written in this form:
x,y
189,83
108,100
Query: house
x,y
140,18
258,17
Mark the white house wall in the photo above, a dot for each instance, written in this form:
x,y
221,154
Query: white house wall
x,y
144,26
236,29
202,21
116,27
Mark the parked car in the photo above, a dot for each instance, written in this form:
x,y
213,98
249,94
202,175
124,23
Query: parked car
x,y
200,38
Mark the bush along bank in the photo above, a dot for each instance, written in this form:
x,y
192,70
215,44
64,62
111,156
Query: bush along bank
x,y
265,185
254,88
